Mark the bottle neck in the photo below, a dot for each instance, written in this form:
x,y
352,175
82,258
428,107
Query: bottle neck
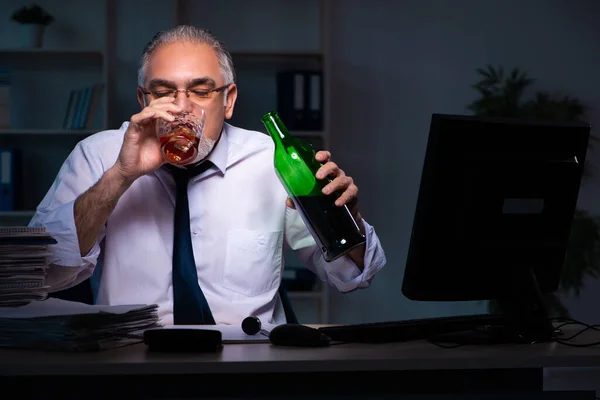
x,y
276,130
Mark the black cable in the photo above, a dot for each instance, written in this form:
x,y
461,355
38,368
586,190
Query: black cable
x,y
563,341
593,327
570,321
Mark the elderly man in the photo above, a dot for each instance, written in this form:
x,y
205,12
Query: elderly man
x,y
208,250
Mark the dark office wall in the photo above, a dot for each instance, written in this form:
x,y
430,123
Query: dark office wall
x,y
396,62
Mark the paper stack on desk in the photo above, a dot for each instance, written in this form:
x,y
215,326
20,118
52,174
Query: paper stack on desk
x,y
24,258
56,324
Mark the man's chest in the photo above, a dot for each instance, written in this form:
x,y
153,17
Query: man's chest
x,y
216,206
236,231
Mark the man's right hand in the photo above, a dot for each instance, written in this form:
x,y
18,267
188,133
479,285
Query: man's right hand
x,y
140,152
139,155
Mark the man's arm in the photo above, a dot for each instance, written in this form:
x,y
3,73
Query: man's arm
x,y
344,273
56,212
140,154
84,194
357,255
92,209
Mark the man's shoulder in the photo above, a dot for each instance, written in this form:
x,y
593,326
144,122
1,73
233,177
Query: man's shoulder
x,y
103,146
247,137
246,144
108,139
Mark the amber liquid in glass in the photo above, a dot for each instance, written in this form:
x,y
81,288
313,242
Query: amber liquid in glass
x,y
180,146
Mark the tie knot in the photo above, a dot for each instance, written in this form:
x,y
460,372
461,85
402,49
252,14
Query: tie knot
x,y
183,175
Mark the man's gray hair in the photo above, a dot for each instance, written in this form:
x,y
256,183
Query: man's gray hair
x,y
187,33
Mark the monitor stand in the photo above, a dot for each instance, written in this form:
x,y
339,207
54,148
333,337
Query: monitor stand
x,y
522,304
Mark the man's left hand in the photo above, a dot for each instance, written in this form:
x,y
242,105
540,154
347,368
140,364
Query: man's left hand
x,y
348,194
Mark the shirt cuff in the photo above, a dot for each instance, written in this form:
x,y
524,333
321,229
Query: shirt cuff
x,y
60,224
345,275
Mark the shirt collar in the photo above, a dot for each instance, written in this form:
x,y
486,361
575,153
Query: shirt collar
x,y
219,154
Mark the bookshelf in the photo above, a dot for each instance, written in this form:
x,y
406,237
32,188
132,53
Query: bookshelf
x,y
74,55
40,81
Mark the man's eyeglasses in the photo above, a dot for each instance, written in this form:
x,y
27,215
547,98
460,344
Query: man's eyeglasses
x,y
192,94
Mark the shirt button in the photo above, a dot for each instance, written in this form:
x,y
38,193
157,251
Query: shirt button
x,y
195,231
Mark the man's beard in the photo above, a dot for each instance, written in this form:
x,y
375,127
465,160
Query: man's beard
x,y
205,146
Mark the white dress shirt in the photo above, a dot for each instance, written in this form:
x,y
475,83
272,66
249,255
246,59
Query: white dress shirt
x,y
239,226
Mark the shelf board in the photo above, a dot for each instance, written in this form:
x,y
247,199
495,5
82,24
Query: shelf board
x,y
16,214
41,58
74,132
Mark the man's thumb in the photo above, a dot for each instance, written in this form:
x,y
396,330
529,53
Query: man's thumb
x,y
290,203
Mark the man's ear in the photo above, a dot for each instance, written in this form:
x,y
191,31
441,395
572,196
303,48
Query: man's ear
x,y
141,97
230,98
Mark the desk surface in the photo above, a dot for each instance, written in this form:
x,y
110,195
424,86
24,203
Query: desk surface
x,y
266,358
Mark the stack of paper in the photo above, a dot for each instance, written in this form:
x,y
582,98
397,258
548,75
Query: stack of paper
x,y
24,258
56,324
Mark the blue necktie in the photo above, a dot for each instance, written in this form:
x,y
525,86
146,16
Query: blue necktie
x,y
189,304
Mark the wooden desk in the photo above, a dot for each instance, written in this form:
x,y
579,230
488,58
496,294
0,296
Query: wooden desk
x,y
263,370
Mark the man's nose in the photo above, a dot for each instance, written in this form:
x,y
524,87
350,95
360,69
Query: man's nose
x,y
182,100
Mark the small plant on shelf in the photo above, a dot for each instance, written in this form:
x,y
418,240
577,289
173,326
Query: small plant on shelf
x,y
33,21
33,15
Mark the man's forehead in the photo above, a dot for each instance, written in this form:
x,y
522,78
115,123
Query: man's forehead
x,y
200,52
183,62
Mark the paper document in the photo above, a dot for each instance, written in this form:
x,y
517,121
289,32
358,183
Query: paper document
x,y
52,307
56,324
24,259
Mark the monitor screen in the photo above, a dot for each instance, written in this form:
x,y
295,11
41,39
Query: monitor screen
x,y
495,203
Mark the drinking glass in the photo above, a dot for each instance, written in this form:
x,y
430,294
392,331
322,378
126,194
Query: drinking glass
x,y
179,139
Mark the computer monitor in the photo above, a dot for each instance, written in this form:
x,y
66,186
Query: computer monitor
x,y
493,215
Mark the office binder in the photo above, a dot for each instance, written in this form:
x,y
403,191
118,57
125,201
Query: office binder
x,y
314,120
4,99
6,180
290,98
10,163
300,99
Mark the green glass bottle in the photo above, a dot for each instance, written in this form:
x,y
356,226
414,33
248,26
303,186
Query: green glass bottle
x,y
333,227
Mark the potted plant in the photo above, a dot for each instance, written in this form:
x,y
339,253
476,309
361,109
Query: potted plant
x,y
502,95
33,20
